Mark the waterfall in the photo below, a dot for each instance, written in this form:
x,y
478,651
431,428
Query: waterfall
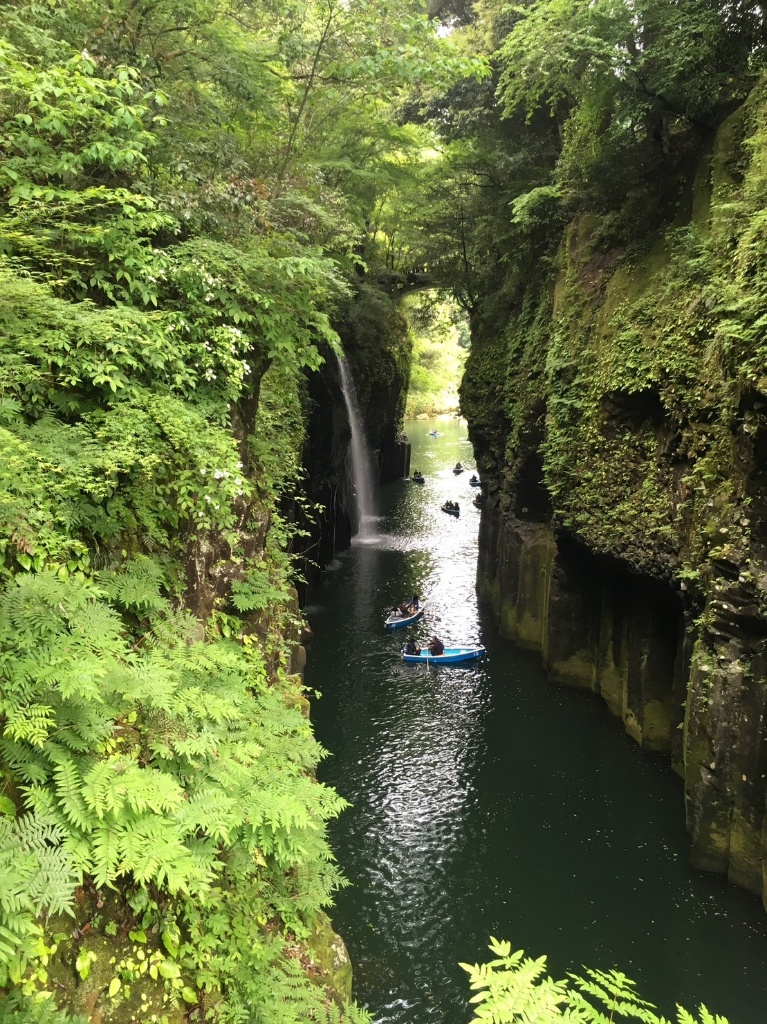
x,y
362,470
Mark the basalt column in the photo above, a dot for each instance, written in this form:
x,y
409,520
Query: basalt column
x,y
596,625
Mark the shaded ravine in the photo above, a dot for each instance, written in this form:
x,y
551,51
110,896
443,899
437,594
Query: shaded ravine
x,y
486,801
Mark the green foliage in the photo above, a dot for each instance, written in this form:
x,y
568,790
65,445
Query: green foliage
x,y
152,340
148,759
72,137
513,989
607,245
255,592
633,89
17,1008
237,304
278,438
37,877
440,337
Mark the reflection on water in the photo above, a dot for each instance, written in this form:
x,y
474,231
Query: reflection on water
x,y
487,802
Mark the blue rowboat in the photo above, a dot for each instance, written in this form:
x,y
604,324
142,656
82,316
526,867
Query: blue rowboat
x,y
395,620
452,655
450,511
419,478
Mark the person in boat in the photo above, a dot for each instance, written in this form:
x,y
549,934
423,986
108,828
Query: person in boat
x,y
414,605
458,467
404,610
412,648
448,504
436,646
473,479
456,506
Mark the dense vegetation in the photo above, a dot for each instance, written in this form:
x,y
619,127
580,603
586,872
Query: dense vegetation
x,y
193,197
440,340
185,207
606,182
514,989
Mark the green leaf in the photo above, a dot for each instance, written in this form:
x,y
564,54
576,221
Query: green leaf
x,y
168,969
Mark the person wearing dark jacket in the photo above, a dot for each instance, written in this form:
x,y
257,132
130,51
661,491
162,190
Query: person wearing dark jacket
x,y
436,646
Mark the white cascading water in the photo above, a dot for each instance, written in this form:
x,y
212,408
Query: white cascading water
x,y
362,469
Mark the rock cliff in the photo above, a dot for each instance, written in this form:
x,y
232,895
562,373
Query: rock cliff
x,y
618,409
376,345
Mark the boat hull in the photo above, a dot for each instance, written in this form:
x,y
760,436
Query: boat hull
x,y
452,656
398,621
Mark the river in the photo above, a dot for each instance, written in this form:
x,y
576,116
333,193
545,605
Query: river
x,y
486,801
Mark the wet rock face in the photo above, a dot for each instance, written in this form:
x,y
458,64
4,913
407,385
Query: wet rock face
x,y
595,625
376,346
725,750
631,640
375,339
624,522
326,465
682,663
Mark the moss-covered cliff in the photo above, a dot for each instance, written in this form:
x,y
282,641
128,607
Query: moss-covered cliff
x,y
617,402
376,344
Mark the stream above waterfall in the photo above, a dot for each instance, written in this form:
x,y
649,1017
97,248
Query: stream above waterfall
x,y
487,801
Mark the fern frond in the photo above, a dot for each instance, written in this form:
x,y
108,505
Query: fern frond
x,y
69,786
36,875
136,585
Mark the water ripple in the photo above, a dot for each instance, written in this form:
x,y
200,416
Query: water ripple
x,y
485,801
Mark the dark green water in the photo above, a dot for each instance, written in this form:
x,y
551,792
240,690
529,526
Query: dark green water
x,y
489,802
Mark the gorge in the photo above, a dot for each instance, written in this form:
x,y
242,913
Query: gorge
x,y
203,207
488,800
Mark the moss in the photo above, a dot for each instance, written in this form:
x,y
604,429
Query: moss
x,y
745,866
697,755
330,953
532,602
633,726
83,971
656,725
490,591
577,670
612,687
634,377
508,621
710,850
